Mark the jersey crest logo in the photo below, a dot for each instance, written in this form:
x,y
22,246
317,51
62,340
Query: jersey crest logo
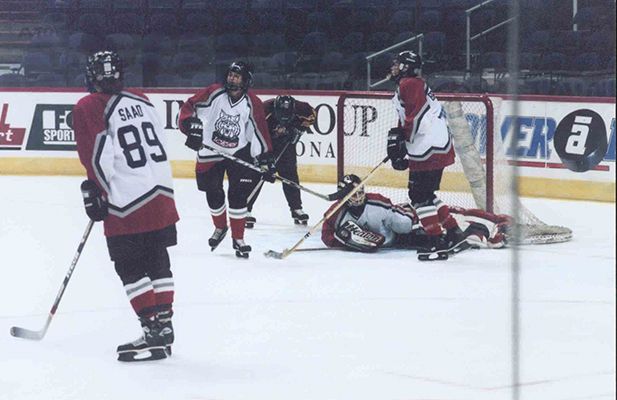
x,y
226,130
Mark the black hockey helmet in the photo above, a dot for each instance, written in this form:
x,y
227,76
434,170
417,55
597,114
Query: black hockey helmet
x,y
105,70
409,64
245,70
352,180
284,108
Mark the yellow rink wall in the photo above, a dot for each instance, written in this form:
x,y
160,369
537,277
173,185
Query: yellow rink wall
x,y
36,138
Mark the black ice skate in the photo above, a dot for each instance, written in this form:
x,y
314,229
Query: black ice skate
x,y
217,237
249,221
299,216
151,346
435,249
456,240
242,249
167,329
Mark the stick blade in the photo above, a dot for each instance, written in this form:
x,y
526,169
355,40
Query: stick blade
x,y
274,254
26,333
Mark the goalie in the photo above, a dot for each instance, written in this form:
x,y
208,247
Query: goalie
x,y
369,221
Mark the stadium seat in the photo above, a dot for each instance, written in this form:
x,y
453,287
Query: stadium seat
x,y
352,43
428,20
186,64
401,21
203,79
494,60
553,61
92,23
378,41
332,61
434,43
130,22
12,80
36,62
163,23
320,21
48,79
199,22
589,61
283,62
158,43
537,41
314,43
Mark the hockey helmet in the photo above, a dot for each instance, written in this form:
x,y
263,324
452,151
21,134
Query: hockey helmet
x,y
243,69
359,197
284,107
406,63
104,69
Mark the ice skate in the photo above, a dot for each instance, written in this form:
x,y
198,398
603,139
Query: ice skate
x,y
299,216
167,329
249,221
242,249
456,240
435,249
150,346
217,237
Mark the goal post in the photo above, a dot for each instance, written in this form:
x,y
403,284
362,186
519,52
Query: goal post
x,y
480,176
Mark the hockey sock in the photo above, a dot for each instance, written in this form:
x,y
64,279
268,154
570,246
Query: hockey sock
x,y
219,217
141,296
443,211
429,219
236,221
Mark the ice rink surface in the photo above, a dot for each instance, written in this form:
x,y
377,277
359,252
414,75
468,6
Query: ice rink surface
x,y
325,325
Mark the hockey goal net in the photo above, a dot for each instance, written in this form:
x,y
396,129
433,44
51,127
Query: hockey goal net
x,y
480,177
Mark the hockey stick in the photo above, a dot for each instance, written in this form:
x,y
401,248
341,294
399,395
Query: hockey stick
x,y
261,180
257,169
286,252
38,335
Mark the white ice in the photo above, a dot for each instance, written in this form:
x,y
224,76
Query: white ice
x,y
317,325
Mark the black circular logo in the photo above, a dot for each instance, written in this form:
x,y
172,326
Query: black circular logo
x,y
580,140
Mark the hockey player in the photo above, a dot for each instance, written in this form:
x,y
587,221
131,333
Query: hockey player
x,y
369,221
120,143
287,120
230,119
422,143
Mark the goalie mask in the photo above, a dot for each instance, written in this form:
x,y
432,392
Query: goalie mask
x,y
284,108
244,70
359,198
104,71
405,64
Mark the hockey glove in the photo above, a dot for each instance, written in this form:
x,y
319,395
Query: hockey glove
x,y
194,129
265,161
354,237
95,204
396,149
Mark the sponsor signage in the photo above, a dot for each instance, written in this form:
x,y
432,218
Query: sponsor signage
x,y
11,137
52,128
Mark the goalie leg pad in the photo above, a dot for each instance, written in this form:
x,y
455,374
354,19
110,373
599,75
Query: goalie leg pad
x,y
354,237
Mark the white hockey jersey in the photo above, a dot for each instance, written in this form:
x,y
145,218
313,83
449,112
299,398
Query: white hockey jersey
x,y
228,126
122,146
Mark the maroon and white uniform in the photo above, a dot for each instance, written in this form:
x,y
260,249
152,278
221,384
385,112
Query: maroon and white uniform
x,y
228,126
420,114
398,223
121,145
379,216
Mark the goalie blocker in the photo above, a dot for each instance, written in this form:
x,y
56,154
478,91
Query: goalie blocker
x,y
356,238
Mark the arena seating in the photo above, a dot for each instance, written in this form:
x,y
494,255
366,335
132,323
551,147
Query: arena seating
x,y
298,42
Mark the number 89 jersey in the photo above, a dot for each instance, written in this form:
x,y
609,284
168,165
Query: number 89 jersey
x,y
121,144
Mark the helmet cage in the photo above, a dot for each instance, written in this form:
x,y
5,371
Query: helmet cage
x,y
103,69
284,107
